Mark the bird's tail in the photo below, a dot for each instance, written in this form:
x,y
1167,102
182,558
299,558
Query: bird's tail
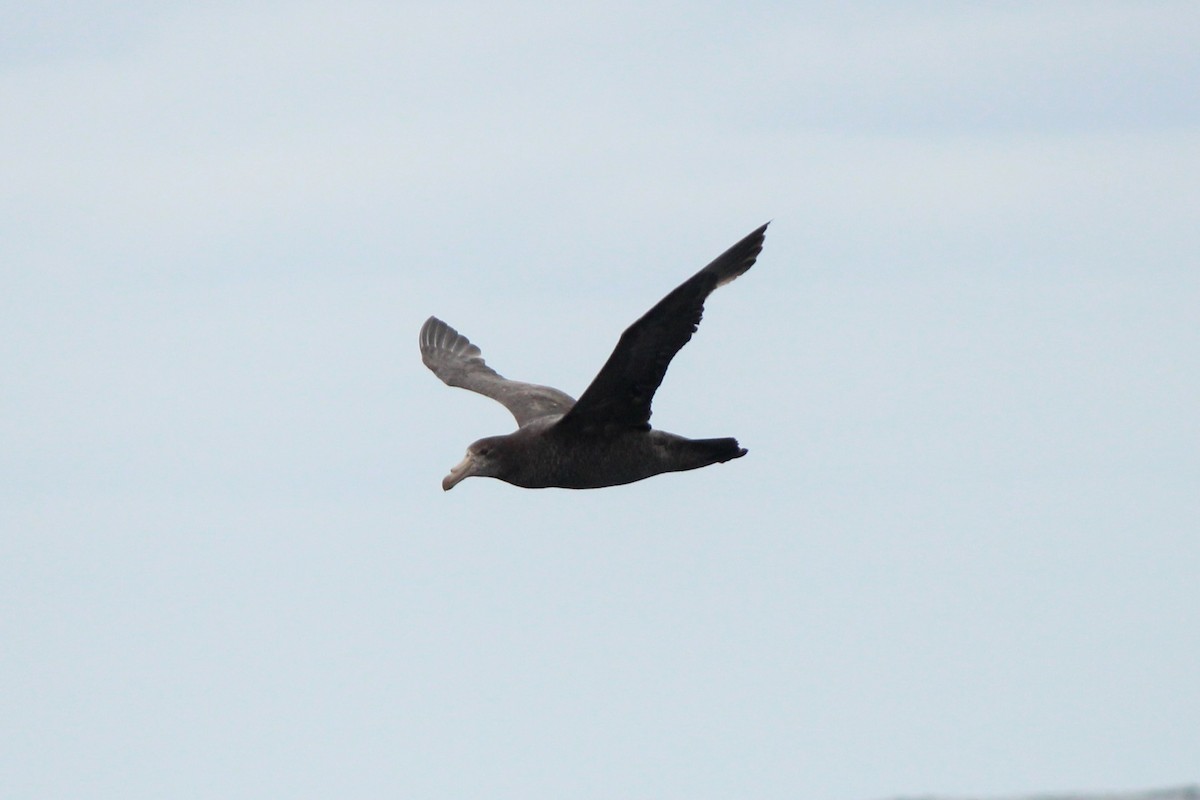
x,y
715,451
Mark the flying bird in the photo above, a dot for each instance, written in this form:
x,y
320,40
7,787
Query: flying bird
x,y
604,438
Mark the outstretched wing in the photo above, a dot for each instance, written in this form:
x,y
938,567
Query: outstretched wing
x,y
621,392
457,362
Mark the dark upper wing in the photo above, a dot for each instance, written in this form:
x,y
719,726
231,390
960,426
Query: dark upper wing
x,y
621,392
457,362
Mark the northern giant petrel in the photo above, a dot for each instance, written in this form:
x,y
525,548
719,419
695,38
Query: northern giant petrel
x,y
605,438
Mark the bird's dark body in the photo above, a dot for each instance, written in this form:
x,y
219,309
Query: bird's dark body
x,y
604,438
537,456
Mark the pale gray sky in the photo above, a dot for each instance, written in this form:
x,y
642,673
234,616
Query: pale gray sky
x,y
961,556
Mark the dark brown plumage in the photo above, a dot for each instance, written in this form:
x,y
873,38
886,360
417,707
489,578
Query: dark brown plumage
x,y
604,438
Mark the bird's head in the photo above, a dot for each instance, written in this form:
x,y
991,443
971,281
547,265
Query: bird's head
x,y
484,459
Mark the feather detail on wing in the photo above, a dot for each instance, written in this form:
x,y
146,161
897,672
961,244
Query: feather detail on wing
x,y
457,362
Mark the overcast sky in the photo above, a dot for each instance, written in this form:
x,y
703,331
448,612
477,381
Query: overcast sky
x,y
962,555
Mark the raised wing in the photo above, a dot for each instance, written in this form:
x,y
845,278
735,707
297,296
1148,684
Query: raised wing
x,y
622,391
457,362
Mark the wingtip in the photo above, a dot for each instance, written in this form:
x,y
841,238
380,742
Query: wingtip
x,y
761,231
435,334
425,335
740,257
